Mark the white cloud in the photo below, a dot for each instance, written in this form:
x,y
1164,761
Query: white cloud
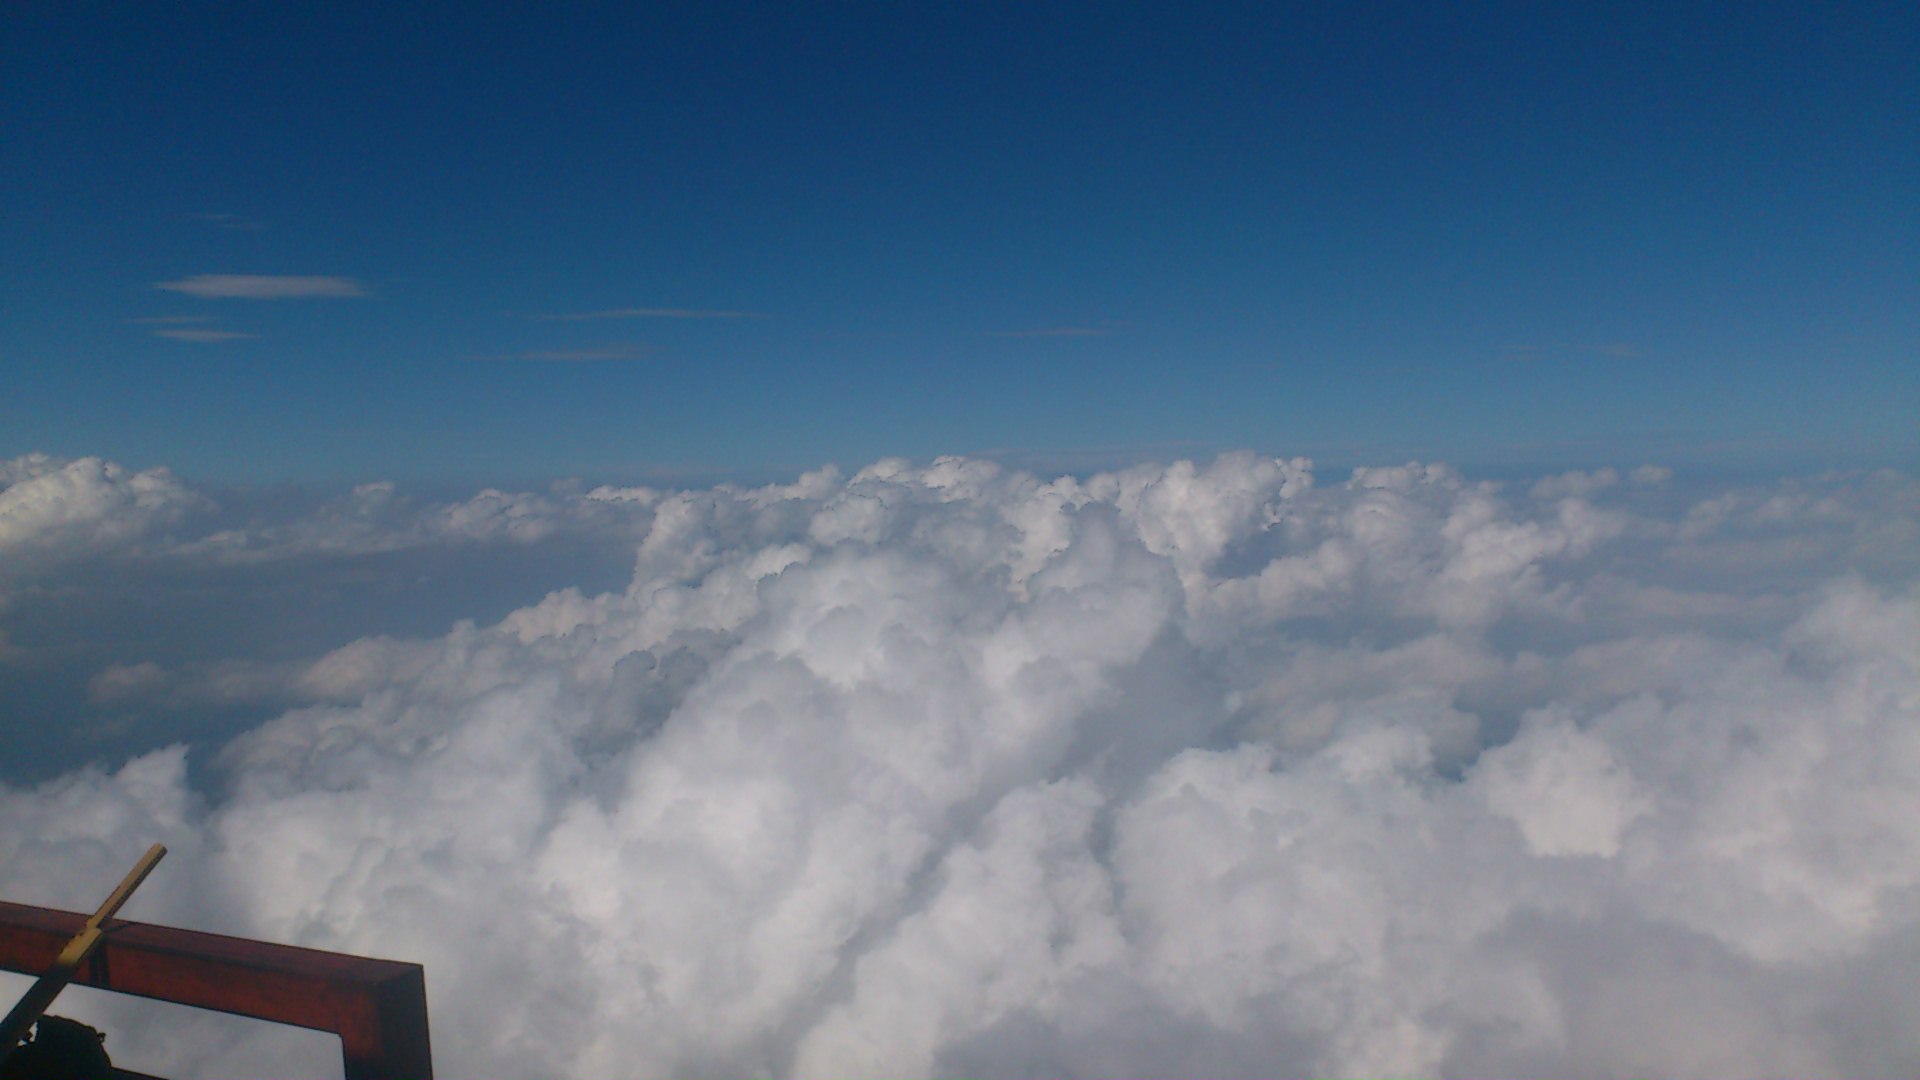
x,y
1562,787
1577,483
1198,768
56,509
1651,475
262,286
68,509
378,516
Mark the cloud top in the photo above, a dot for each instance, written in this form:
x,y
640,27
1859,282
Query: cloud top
x,y
1200,768
58,509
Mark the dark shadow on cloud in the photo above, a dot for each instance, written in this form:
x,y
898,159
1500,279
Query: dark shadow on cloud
x,y
1128,1035
1641,997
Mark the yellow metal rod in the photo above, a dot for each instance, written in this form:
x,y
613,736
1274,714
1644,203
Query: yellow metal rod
x,y
41,994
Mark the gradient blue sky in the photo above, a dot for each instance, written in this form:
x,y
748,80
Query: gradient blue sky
x,y
1499,234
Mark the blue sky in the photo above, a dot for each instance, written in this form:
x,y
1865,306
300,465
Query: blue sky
x,y
710,239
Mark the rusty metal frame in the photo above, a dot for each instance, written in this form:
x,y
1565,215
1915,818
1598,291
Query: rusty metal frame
x,y
377,1007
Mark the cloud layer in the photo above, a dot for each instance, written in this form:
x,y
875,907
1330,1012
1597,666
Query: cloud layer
x,y
1197,769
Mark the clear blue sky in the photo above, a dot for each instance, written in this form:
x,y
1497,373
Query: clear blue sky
x,y
1484,233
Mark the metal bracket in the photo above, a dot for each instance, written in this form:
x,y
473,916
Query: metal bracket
x,y
377,1007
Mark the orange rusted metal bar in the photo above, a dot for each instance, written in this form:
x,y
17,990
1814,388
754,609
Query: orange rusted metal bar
x,y
27,1012
377,1007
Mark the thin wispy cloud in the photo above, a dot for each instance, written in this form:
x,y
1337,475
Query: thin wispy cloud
x,y
1618,350
262,287
202,335
648,313
1612,350
576,356
187,328
1057,332
232,222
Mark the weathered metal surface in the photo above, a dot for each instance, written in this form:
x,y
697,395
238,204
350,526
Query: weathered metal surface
x,y
13,1030
377,1007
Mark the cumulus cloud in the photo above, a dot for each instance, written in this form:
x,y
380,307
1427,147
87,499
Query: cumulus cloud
x,y
262,286
1203,768
136,609
65,510
378,516
52,508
